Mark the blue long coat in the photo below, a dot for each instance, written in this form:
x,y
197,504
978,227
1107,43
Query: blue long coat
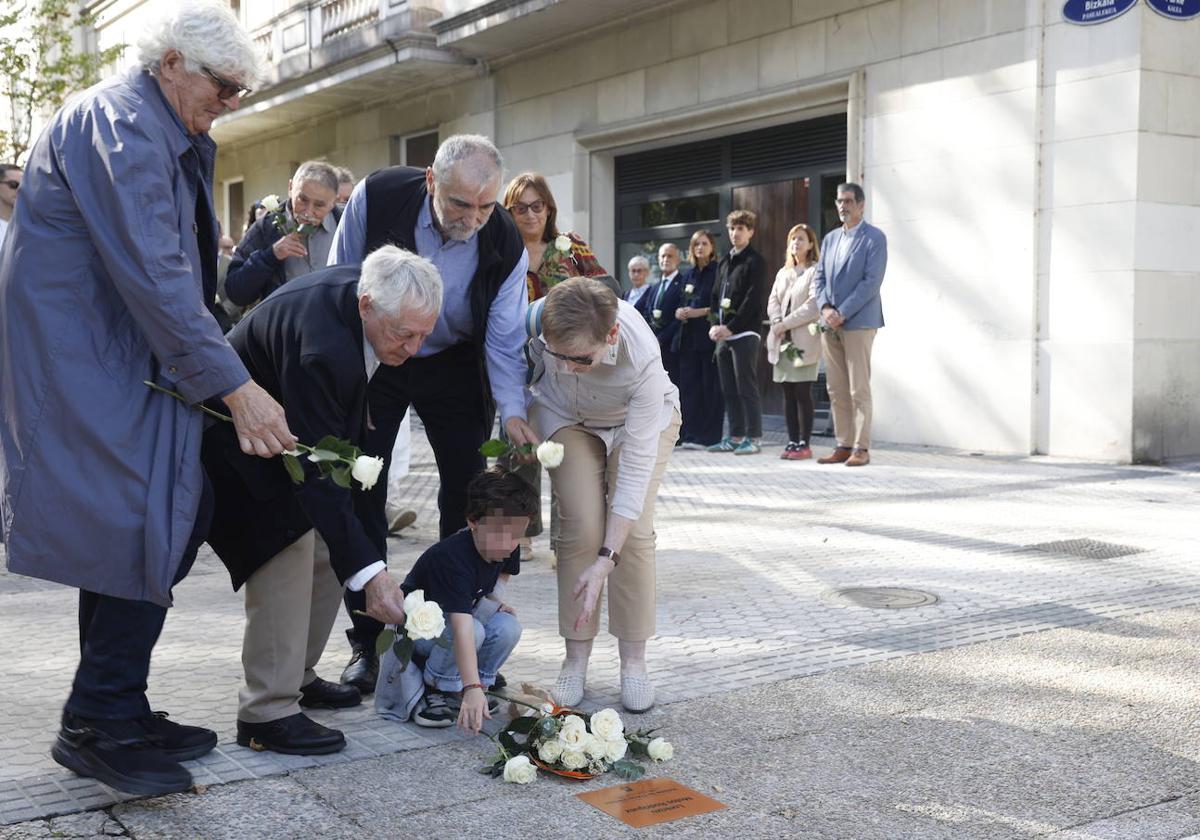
x,y
101,288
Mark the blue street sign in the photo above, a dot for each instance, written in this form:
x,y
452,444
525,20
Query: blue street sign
x,y
1177,9
1098,11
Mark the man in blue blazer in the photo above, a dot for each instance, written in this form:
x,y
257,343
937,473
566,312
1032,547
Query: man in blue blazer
x,y
848,277
658,307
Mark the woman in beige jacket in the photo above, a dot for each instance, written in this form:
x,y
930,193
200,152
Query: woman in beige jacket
x,y
794,343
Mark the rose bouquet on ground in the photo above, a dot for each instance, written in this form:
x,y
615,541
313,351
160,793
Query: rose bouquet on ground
x,y
549,453
336,459
572,744
423,620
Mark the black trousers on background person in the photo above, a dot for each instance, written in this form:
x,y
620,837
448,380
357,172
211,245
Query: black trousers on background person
x,y
798,410
703,406
447,394
737,363
117,636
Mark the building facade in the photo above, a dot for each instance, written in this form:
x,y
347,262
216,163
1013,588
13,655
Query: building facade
x,y
1039,181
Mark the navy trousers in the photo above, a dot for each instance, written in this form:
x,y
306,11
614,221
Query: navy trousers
x,y
701,402
117,636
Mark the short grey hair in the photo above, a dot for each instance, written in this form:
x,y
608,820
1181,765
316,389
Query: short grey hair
x,y
317,172
640,260
345,175
400,281
477,154
207,34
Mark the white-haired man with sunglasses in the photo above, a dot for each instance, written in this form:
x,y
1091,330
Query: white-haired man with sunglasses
x,y
107,282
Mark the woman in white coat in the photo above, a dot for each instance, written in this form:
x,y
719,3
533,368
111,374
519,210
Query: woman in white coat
x,y
794,343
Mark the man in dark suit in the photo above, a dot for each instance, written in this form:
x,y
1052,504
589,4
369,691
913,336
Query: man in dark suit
x,y
313,345
658,307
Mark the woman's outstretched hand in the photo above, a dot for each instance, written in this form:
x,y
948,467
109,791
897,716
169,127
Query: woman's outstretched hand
x,y
588,587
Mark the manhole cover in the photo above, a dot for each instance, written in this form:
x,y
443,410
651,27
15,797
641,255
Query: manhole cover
x,y
883,597
1088,549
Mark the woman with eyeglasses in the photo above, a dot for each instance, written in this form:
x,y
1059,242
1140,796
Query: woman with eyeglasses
x,y
553,257
599,388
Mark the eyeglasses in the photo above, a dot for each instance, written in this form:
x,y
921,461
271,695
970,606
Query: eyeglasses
x,y
12,185
225,88
583,361
521,208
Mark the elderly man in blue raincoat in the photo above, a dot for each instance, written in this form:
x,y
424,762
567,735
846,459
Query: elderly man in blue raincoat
x,y
105,281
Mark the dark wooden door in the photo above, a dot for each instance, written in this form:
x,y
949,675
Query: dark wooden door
x,y
779,206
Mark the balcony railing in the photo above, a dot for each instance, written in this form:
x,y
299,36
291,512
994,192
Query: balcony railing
x,y
341,16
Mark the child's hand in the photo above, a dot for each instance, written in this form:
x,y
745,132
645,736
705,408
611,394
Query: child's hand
x,y
473,710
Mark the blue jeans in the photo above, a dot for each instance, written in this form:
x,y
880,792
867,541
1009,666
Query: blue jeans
x,y
494,642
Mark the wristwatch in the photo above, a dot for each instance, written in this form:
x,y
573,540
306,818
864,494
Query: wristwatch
x,y
611,555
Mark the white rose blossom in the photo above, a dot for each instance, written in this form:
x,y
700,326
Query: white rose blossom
x,y
657,314
595,748
660,750
413,600
606,725
549,751
573,733
614,749
271,203
726,303
573,759
563,242
688,289
550,454
366,470
425,622
519,770
813,329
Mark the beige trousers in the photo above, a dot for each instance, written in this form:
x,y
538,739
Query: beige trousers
x,y
848,378
580,485
291,604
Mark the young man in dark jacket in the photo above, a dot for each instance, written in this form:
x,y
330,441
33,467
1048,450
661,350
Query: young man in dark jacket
x,y
738,302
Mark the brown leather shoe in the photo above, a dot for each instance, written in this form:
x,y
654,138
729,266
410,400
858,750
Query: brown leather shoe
x,y
837,456
858,458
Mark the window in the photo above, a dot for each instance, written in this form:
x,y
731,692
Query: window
x,y
414,149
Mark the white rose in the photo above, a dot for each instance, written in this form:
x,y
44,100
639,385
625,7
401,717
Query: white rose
x,y
688,289
271,203
798,361
660,750
657,314
366,470
549,751
606,725
595,748
413,600
726,303
547,708
550,454
573,759
425,622
813,329
614,749
563,242
519,770
573,733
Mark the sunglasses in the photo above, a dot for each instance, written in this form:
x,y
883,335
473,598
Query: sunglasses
x,y
225,88
12,185
583,361
521,208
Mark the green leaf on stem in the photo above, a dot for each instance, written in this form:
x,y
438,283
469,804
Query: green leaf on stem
x,y
341,475
628,770
522,725
495,448
403,648
639,747
510,743
292,464
320,454
383,641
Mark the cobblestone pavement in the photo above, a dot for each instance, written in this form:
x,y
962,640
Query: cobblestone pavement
x,y
752,555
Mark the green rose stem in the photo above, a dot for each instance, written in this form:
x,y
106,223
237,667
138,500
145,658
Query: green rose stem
x,y
334,457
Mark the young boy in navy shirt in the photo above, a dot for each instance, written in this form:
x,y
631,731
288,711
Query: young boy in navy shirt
x,y
466,574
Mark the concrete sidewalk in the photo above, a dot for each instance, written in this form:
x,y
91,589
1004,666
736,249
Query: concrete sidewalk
x,y
1060,607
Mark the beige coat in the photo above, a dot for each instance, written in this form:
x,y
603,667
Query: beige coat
x,y
793,294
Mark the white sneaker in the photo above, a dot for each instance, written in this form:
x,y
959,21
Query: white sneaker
x,y
637,692
568,688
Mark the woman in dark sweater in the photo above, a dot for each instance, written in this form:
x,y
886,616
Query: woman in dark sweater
x,y
699,387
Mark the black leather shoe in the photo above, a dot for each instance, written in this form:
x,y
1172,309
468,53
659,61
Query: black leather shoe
x,y
363,669
323,694
177,740
120,754
296,734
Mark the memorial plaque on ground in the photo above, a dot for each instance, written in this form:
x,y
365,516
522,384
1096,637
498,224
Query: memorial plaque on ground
x,y
650,801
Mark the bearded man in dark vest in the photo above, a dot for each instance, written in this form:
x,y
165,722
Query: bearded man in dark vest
x,y
472,363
